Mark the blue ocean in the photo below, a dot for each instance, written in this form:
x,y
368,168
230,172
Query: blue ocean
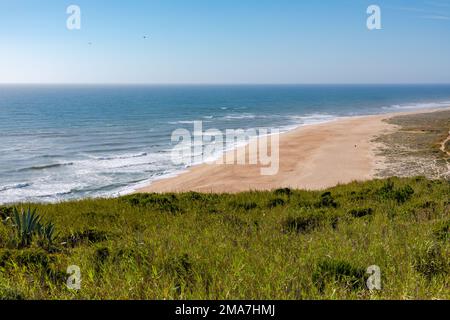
x,y
70,142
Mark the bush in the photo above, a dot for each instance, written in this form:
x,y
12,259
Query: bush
x,y
28,258
387,189
131,254
404,194
432,262
302,224
273,203
327,201
442,231
182,270
27,225
7,293
101,256
5,212
244,205
341,272
361,194
140,254
424,211
86,236
401,195
164,203
359,213
283,192
194,196
234,221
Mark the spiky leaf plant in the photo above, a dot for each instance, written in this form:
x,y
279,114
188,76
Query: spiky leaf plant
x,y
26,224
47,233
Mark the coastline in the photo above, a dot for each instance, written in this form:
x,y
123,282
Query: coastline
x,y
312,157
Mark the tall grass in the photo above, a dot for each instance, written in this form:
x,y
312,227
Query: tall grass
x,y
285,244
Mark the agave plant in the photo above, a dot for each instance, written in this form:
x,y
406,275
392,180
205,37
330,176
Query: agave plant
x,y
47,233
26,224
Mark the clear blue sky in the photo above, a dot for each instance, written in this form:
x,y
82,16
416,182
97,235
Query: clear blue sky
x,y
225,41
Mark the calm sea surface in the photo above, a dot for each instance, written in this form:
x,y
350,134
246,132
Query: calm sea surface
x,y
70,142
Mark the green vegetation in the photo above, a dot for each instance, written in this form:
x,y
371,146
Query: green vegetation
x,y
285,244
27,225
421,146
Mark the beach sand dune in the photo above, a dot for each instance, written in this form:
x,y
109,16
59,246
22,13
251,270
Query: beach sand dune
x,y
311,157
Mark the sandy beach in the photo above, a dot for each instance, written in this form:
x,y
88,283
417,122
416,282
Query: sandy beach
x,y
311,157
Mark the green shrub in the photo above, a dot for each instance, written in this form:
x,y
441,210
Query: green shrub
x,y
244,205
47,235
424,210
362,212
387,189
301,224
5,236
283,192
57,277
161,202
5,212
194,196
181,269
86,236
340,272
404,194
442,231
100,257
327,201
359,195
237,224
102,254
128,254
236,247
35,262
27,226
401,195
273,203
432,262
7,293
28,258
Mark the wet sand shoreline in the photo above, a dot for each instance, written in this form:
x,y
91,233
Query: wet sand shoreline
x,y
311,157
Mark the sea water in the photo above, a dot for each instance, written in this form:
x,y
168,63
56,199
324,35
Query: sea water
x,y
61,142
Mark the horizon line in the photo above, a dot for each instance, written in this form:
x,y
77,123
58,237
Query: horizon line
x,y
213,84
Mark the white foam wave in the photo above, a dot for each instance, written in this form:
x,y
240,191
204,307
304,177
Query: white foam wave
x,y
239,116
14,186
182,122
124,156
314,118
421,105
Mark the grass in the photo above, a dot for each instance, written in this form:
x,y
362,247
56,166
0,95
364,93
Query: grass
x,y
285,244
